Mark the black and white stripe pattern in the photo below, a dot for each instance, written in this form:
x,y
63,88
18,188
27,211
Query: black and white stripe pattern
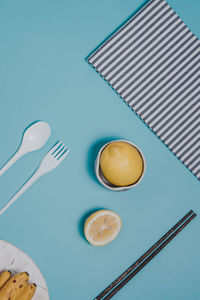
x,y
153,62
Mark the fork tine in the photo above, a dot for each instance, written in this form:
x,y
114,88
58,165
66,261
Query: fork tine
x,y
52,150
56,148
63,154
59,150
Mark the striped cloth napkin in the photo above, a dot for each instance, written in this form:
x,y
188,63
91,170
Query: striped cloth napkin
x,y
153,63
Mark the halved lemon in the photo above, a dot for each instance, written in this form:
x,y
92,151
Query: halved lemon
x,y
102,227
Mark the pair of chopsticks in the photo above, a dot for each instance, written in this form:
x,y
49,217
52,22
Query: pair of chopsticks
x,y
139,264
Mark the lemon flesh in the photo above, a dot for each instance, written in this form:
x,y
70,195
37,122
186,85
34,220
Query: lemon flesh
x,y
121,163
102,227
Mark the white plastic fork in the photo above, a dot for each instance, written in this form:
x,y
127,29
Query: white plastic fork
x,y
51,160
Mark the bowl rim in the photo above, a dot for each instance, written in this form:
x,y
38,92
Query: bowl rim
x,y
102,180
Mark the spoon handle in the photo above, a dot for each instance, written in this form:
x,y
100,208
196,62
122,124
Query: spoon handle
x,y
33,178
11,161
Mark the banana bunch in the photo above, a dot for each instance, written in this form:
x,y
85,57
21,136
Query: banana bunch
x,y
16,287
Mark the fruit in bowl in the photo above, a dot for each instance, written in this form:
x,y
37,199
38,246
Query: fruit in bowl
x,y
121,163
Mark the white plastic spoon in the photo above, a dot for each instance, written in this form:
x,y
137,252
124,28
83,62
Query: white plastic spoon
x,y
33,139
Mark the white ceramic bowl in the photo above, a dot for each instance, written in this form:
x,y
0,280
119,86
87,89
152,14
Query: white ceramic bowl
x,y
104,181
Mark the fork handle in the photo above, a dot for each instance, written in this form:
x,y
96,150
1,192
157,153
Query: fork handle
x,y
34,177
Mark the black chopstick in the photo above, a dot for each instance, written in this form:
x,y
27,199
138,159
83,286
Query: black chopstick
x,y
117,284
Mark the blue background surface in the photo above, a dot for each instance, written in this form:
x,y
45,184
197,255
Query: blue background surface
x,y
44,76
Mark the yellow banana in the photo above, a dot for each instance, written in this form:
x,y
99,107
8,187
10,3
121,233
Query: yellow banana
x,y
4,276
19,292
13,286
28,292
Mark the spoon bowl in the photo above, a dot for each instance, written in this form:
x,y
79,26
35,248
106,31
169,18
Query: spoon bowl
x,y
34,137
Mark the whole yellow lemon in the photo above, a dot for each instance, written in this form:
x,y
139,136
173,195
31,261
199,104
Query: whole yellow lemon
x,y
121,163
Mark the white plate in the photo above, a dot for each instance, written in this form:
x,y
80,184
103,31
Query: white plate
x,y
15,260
